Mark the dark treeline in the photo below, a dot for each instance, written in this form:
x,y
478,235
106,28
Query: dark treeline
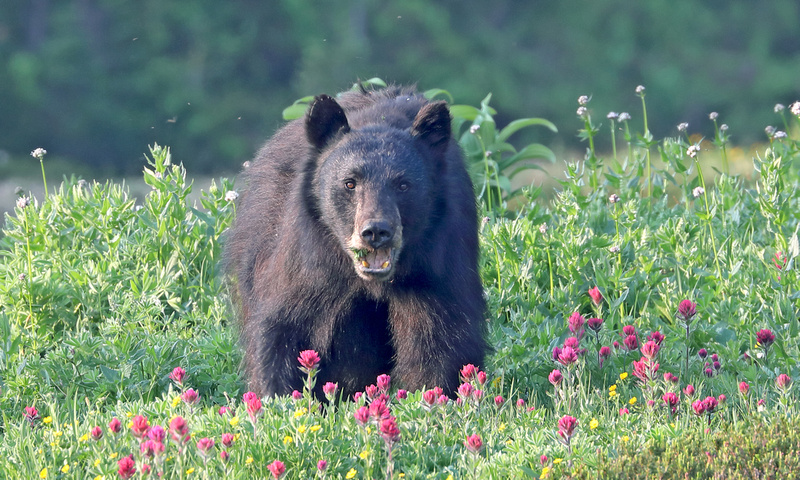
x,y
99,80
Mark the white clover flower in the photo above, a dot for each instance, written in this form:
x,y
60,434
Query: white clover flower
x,y
613,198
723,127
795,108
474,129
624,116
693,151
779,107
582,111
640,90
614,249
697,191
21,277
683,126
612,115
780,134
39,153
231,195
770,130
583,100
543,228
713,115
23,202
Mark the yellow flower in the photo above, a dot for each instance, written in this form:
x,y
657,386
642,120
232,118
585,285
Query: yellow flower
x,y
632,401
545,471
449,477
315,428
43,473
496,382
53,444
129,414
176,401
556,461
369,430
623,375
47,419
401,475
234,421
99,477
363,455
84,438
58,433
299,413
611,394
65,468
625,438
97,462
249,460
351,473
114,455
612,388
287,440
130,424
301,429
509,442
190,471
501,427
593,424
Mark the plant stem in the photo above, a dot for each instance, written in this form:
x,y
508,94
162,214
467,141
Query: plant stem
x,y
708,220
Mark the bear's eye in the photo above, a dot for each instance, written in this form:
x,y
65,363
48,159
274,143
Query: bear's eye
x,y
350,184
403,186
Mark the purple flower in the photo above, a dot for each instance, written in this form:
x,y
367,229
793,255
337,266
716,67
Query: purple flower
x,y
631,342
402,394
575,323
628,330
687,309
702,353
657,337
765,337
594,324
555,377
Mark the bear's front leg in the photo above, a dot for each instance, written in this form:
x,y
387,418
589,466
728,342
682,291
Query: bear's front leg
x,y
434,338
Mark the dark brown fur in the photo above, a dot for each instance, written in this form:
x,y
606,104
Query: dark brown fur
x,y
297,283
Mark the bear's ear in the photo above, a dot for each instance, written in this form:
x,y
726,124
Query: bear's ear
x,y
324,121
433,126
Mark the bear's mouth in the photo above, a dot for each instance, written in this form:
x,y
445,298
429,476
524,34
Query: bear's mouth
x,y
374,263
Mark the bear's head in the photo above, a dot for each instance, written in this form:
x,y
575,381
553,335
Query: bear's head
x,y
375,186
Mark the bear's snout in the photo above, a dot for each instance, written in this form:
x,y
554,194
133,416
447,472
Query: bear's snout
x,y
377,233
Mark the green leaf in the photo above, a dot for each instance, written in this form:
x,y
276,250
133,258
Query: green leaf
x,y
435,92
111,375
534,150
521,123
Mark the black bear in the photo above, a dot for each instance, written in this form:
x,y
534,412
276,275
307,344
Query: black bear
x,y
357,236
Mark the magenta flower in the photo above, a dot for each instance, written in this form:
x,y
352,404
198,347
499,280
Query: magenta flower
x,y
710,404
687,309
227,439
670,399
204,445
555,377
402,394
139,426
127,467
783,381
468,372
765,337
362,415
594,324
556,353
699,407
224,456
31,414
322,465
623,411
568,356
650,349
223,410
254,408
442,400
249,397
115,425
371,391
383,383
688,390
465,390
604,352
657,337
309,359
177,375
499,400
151,448
520,403
474,444
572,342
702,353
190,397
744,388
429,397
329,389
628,330
296,395
389,430
631,342
596,296
575,323
179,430
96,433
157,433
481,378
277,468
566,427
722,398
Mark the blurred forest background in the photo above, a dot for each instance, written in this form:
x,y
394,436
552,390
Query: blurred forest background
x,y
96,81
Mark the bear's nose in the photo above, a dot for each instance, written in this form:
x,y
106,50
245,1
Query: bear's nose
x,y
377,233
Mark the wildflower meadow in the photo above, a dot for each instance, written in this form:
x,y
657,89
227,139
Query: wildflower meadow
x,y
644,320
